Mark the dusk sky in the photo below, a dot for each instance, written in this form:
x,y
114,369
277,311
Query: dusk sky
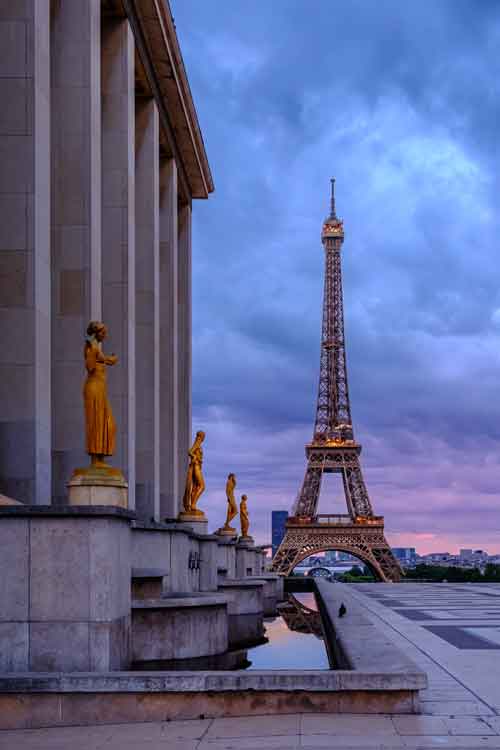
x,y
400,101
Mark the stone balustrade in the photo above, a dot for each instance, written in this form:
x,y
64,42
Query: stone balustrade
x,y
70,575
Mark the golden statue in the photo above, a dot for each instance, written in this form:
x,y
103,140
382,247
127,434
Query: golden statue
x,y
245,523
195,483
99,483
232,508
100,425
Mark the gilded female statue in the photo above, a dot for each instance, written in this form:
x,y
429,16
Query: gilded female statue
x,y
100,425
232,508
245,523
195,483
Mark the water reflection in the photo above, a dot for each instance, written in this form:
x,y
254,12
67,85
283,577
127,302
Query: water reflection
x,y
295,638
301,614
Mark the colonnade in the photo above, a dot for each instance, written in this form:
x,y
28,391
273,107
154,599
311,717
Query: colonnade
x,y
94,224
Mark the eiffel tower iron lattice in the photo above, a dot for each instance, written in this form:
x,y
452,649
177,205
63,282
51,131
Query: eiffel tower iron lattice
x,y
333,447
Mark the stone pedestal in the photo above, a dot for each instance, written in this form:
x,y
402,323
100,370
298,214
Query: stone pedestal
x,y
227,531
197,520
98,485
208,562
226,557
246,541
245,559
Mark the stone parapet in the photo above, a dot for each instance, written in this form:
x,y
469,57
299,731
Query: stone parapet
x,y
28,701
245,560
272,591
179,628
208,562
245,597
65,589
358,643
226,558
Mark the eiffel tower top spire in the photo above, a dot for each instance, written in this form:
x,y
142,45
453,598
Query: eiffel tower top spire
x,y
333,227
333,215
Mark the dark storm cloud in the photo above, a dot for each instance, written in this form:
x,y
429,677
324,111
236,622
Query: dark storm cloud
x,y
401,101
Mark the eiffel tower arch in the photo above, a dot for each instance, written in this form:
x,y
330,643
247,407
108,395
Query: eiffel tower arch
x,y
333,448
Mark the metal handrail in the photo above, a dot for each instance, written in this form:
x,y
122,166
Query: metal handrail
x,y
340,518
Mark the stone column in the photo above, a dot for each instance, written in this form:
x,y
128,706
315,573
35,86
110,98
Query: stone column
x,y
118,232
147,147
76,220
25,427
184,341
170,480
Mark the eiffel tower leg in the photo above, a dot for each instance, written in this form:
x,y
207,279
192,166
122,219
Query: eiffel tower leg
x,y
347,493
289,553
356,492
388,564
307,502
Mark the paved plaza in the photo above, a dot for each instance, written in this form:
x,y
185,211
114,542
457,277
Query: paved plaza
x,y
451,630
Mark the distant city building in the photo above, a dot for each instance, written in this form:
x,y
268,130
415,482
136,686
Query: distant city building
x,y
406,556
467,558
331,556
345,557
435,557
279,519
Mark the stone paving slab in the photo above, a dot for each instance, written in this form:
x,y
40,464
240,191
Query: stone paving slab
x,y
354,724
262,732
247,726
474,670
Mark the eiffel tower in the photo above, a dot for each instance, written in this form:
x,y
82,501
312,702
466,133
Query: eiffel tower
x,y
333,447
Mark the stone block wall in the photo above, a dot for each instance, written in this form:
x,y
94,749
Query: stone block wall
x,y
65,591
25,251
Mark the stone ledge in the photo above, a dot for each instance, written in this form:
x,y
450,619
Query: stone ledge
x,y
173,527
159,526
180,681
21,710
149,574
178,602
358,643
226,541
238,583
73,511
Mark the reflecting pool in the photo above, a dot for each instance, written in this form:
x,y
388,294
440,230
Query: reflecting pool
x,y
294,638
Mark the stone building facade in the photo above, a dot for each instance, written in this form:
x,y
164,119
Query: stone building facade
x,y
101,156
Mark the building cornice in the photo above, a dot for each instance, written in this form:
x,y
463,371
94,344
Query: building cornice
x,y
166,65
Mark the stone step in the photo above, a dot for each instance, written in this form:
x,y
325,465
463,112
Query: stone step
x,y
179,627
147,583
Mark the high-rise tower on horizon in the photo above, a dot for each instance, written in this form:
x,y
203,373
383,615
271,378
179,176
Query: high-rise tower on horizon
x,y
333,447
279,519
